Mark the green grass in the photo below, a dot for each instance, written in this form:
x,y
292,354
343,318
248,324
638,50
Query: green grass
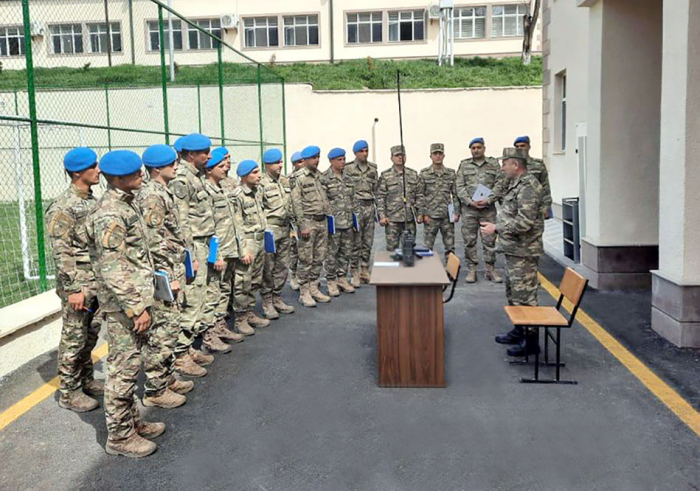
x,y
346,75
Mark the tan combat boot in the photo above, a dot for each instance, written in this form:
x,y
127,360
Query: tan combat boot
x,y
181,386
294,282
356,279
333,290
305,297
77,401
280,306
185,365
223,333
471,275
255,321
345,286
365,276
94,388
201,359
213,344
242,324
133,447
269,308
167,400
492,275
150,430
317,294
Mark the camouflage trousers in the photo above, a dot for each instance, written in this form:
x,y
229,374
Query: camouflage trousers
x,y
471,219
393,233
293,256
521,280
446,229
219,288
277,265
194,299
248,280
364,239
340,246
78,338
312,252
159,351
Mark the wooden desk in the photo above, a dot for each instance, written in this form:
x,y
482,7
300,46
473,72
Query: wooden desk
x,y
410,322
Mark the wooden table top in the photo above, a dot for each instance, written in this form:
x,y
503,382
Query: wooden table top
x,y
427,271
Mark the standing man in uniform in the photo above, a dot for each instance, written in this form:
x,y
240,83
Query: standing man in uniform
x,y
520,228
437,187
118,245
297,163
340,194
396,208
278,210
474,171
310,209
75,282
363,177
537,168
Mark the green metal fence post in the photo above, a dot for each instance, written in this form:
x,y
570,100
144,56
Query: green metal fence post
x,y
260,112
221,95
109,121
16,103
131,31
284,126
164,76
34,127
199,105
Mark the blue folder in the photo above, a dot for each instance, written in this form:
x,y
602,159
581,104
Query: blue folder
x,y
189,266
355,223
213,249
331,224
270,246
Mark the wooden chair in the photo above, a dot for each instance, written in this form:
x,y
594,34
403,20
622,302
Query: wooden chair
x,y
452,269
572,287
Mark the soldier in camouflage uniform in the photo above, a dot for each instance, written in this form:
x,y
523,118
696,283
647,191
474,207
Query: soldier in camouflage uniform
x,y
474,171
167,247
537,168
75,282
297,163
229,185
520,228
278,209
340,194
123,266
310,209
251,223
437,187
394,213
363,176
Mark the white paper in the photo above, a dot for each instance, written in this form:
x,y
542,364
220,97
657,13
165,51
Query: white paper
x,y
481,193
451,212
387,264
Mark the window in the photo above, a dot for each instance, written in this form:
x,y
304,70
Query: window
x,y
199,40
67,38
154,35
470,23
12,41
301,30
507,20
261,32
98,37
365,28
407,25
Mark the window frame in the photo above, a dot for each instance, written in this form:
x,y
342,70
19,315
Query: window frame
x,y
519,26
486,17
283,32
73,34
413,22
149,46
244,40
210,30
90,24
21,44
382,22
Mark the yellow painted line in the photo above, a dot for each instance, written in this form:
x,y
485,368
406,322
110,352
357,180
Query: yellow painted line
x,y
18,409
679,406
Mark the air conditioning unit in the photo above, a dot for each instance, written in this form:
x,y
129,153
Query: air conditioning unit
x,y
229,21
37,29
434,11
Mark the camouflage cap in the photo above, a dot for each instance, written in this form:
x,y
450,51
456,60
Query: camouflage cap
x,y
513,153
437,147
398,150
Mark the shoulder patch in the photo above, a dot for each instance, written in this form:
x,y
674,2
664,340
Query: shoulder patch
x,y
153,212
179,189
61,224
114,236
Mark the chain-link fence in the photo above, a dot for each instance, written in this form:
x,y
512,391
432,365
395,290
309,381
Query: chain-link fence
x,y
112,74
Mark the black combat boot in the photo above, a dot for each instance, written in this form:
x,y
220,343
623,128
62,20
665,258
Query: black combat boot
x,y
515,336
530,346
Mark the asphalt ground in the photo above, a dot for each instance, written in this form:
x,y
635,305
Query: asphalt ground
x,y
297,407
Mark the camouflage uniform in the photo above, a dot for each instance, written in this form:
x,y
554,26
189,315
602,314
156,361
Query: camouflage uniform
x,y
66,217
364,181
469,175
167,247
197,223
123,266
536,168
340,194
390,202
278,208
229,185
437,188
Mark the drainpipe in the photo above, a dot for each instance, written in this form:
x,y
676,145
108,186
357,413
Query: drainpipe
x,y
330,7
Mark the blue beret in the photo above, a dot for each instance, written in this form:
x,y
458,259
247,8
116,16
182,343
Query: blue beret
x,y
223,150
178,144
217,156
522,139
310,152
272,156
476,140
196,142
296,157
79,159
159,156
335,153
359,145
120,163
246,167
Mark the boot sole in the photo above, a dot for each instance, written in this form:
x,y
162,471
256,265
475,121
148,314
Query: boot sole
x,y
322,301
509,342
233,340
75,409
147,403
130,455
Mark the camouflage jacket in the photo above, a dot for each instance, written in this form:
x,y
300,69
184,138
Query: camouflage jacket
x,y
437,190
225,226
66,217
340,194
363,181
390,195
308,196
193,203
165,241
520,221
119,253
276,198
470,174
537,168
250,219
